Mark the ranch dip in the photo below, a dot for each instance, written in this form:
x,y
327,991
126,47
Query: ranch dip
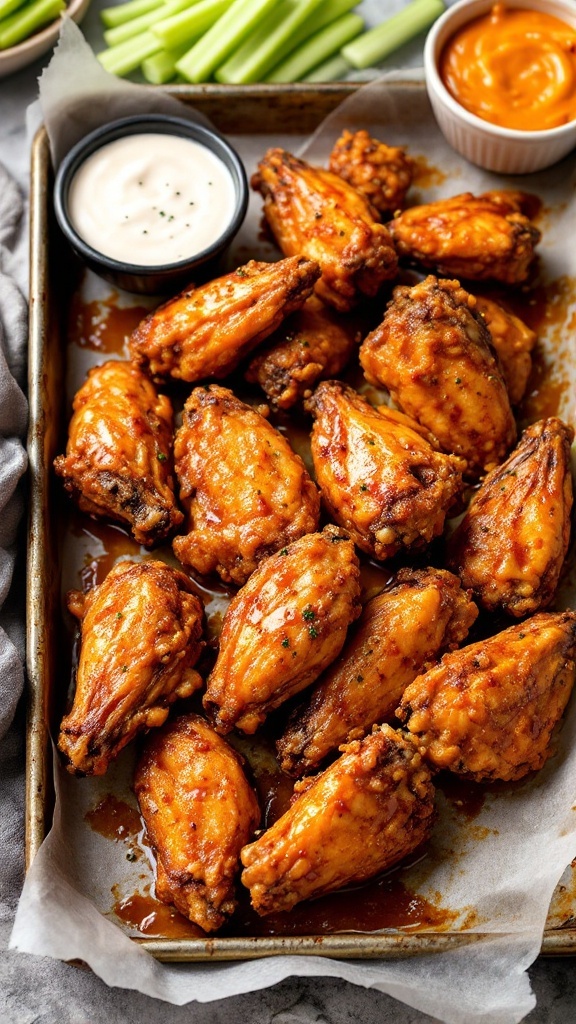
x,y
151,199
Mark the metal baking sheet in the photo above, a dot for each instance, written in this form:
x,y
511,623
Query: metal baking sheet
x,y
255,110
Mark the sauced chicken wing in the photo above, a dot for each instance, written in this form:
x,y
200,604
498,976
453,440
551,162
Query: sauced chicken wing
x,y
382,174
246,492
367,811
118,462
432,351
316,213
421,613
511,545
380,479
314,343
513,342
206,331
283,628
475,237
199,812
141,632
487,711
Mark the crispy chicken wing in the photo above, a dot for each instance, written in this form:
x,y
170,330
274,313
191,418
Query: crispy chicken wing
x,y
206,331
367,811
421,613
513,342
432,351
382,174
314,343
118,462
475,237
316,213
511,545
199,812
283,628
380,479
246,492
141,632
487,711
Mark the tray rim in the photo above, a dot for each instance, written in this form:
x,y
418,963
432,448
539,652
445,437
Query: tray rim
x,y
344,945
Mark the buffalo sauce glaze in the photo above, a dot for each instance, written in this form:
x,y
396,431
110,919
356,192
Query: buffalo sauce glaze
x,y
513,67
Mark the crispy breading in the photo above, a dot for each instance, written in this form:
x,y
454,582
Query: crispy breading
x,y
382,174
513,341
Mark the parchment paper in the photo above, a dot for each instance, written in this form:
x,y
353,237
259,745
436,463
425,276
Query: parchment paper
x,y
496,873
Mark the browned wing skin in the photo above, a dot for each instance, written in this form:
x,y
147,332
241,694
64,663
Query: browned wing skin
x,y
379,478
199,812
513,342
367,811
206,331
421,613
316,213
382,174
433,353
141,632
487,711
511,545
283,628
314,343
245,491
118,462
475,237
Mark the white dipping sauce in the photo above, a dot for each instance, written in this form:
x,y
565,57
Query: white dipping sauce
x,y
151,199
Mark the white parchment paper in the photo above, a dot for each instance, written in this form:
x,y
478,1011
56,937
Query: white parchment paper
x,y
497,873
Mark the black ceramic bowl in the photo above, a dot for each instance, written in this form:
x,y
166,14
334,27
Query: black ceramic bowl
x,y
167,277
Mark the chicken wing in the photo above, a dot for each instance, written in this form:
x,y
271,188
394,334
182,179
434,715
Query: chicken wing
x,y
367,811
283,628
475,237
487,711
316,213
421,613
432,351
379,478
314,343
118,462
141,630
246,492
513,342
199,812
382,174
511,545
206,331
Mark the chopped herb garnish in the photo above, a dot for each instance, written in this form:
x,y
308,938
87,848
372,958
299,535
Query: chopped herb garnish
x,y
458,380
161,457
284,551
312,632
363,487
309,614
119,615
285,642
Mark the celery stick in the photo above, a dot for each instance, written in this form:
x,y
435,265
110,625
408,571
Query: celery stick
x,y
161,67
333,70
190,24
318,48
112,16
269,45
126,57
327,12
24,22
226,35
378,43
9,6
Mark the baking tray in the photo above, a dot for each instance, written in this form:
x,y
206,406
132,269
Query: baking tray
x,y
256,110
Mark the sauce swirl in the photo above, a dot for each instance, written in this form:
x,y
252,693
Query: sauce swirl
x,y
513,67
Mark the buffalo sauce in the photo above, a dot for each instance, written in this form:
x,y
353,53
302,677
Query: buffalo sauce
x,y
513,67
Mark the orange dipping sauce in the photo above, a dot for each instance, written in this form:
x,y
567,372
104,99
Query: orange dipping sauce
x,y
513,67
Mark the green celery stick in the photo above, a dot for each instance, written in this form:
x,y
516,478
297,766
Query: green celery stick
x,y
226,35
24,22
269,45
378,43
190,24
112,16
128,29
161,67
9,6
324,14
333,70
319,47
126,57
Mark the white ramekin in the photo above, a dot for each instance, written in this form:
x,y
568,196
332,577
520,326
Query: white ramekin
x,y
505,150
